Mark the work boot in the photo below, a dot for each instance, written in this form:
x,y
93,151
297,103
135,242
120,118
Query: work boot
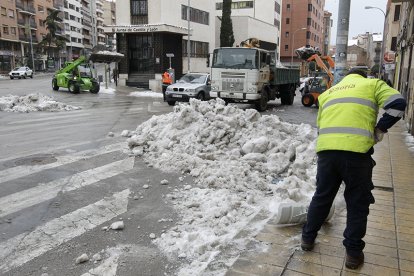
x,y
354,262
307,246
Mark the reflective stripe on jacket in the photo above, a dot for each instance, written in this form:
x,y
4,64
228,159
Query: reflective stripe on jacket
x,y
348,113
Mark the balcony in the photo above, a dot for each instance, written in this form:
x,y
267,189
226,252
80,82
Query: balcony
x,y
26,38
25,8
23,23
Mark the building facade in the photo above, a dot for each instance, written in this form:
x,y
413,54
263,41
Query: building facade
x,y
327,25
302,25
109,19
253,19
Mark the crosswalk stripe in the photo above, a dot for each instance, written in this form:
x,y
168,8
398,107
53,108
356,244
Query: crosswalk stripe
x,y
24,199
27,246
21,171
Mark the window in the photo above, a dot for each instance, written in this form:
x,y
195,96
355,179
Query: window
x,y
196,15
394,43
287,34
11,13
3,11
277,23
13,30
5,29
309,21
397,12
139,12
40,8
288,7
308,35
277,7
198,48
287,20
310,7
286,47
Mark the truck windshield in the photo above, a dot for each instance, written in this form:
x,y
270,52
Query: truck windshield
x,y
237,58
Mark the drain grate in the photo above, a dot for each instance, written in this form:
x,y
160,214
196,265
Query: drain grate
x,y
36,160
385,189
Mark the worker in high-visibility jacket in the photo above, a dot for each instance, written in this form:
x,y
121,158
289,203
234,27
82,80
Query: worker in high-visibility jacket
x,y
166,80
347,131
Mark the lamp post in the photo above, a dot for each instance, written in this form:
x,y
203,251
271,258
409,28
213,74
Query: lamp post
x,y
383,38
293,41
188,35
31,44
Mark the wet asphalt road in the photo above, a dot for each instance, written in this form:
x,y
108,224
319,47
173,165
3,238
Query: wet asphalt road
x,y
43,153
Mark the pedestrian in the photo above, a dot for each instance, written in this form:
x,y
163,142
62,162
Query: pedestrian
x,y
166,80
115,76
347,132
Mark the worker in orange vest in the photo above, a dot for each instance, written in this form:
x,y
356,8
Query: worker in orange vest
x,y
166,78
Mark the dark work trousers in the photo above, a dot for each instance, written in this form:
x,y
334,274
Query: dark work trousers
x,y
355,170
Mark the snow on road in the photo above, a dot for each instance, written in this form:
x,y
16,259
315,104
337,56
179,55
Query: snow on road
x,y
32,102
242,162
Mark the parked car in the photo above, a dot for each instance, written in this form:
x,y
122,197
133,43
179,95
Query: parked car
x,y
21,72
191,85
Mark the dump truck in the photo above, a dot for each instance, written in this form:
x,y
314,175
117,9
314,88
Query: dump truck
x,y
249,74
76,76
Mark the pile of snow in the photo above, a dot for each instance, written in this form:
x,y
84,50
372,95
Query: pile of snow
x,y
32,102
109,53
146,94
242,163
409,140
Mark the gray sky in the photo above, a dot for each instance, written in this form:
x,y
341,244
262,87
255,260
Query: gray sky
x,y
361,19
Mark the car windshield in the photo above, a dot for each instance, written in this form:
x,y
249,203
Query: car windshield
x,y
20,69
237,58
193,78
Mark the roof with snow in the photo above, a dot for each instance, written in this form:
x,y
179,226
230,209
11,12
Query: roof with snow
x,y
352,42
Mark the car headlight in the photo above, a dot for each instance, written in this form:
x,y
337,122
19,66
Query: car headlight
x,y
169,89
189,90
214,88
251,89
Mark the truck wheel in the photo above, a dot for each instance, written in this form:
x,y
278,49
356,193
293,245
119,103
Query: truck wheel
x,y
307,100
55,85
73,87
287,97
95,88
261,104
172,103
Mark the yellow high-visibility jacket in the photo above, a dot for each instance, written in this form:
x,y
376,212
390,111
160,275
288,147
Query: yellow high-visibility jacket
x,y
348,113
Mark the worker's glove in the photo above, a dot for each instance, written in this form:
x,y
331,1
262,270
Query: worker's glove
x,y
378,135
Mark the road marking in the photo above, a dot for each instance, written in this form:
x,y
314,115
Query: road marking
x,y
54,149
24,199
27,246
21,171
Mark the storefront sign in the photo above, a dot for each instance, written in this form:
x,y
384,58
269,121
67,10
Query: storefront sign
x,y
146,29
134,29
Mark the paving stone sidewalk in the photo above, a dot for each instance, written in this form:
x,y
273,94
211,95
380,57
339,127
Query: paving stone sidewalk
x,y
390,235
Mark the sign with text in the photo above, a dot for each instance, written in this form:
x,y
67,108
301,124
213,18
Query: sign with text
x,y
145,29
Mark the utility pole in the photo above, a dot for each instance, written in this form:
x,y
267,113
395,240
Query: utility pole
x,y
31,44
342,40
188,36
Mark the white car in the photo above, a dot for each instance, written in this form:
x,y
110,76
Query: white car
x,y
21,72
191,85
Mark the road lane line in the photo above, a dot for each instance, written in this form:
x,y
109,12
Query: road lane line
x,y
24,170
24,199
27,246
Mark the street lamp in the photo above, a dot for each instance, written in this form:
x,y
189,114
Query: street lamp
x,y
31,44
383,37
293,41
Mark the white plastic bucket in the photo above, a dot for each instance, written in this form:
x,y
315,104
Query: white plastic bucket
x,y
292,213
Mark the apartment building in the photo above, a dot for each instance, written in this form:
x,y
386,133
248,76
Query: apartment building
x,y
302,25
258,19
10,46
109,19
391,29
327,26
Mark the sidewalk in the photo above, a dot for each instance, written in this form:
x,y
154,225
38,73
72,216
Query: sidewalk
x,y
390,235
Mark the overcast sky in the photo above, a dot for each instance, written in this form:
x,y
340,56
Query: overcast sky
x,y
361,19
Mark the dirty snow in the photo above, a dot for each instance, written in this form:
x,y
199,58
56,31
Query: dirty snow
x,y
409,140
146,94
31,103
109,90
242,163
